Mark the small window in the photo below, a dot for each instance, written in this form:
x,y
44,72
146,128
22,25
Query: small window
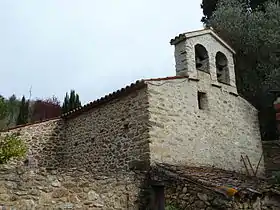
x,y
202,100
222,68
201,58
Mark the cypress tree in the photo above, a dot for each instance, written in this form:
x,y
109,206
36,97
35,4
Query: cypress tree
x,y
23,112
65,104
77,101
71,102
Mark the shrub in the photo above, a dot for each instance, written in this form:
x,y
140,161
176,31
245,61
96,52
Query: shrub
x,y
276,177
11,147
171,207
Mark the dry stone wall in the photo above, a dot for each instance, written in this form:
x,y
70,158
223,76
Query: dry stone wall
x,y
42,140
24,189
112,137
185,195
186,192
217,135
83,162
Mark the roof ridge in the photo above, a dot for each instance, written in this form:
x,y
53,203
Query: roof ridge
x,y
138,84
185,35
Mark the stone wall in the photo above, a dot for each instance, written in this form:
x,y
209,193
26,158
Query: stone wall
x,y
272,157
42,140
185,56
111,137
201,192
217,135
26,189
82,162
186,195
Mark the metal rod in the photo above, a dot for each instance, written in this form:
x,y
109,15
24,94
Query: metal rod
x,y
248,173
250,165
259,164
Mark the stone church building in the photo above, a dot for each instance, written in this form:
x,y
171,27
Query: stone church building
x,y
187,141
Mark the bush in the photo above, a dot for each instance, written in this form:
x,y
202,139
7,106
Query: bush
x,y
276,177
171,207
11,147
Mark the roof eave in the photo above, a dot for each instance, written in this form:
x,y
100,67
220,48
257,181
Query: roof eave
x,y
184,36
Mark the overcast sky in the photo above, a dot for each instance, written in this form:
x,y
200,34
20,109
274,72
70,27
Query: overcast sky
x,y
92,46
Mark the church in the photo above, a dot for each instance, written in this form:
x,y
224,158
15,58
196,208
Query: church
x,y
186,141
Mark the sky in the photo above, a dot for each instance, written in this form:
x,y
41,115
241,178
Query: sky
x,y
92,46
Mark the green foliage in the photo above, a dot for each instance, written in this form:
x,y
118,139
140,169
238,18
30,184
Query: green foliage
x,y
276,177
71,102
3,108
11,147
13,105
171,207
23,112
255,35
209,6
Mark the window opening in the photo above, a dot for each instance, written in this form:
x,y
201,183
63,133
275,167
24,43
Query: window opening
x,y
222,68
201,58
202,100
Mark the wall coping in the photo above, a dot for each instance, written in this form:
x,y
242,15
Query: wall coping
x,y
29,124
139,84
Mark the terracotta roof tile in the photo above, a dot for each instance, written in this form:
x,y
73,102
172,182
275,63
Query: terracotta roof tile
x,y
166,78
133,86
214,176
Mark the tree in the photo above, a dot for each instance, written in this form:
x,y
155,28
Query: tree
x,y
13,105
45,109
65,105
71,102
255,36
23,112
53,100
209,7
3,108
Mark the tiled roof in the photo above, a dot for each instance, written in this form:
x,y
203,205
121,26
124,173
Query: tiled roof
x,y
166,78
187,35
214,179
214,176
132,87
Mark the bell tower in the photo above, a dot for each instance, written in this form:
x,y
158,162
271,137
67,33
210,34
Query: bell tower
x,y
205,51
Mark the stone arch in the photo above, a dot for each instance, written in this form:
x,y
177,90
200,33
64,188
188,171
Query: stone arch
x,y
222,69
201,58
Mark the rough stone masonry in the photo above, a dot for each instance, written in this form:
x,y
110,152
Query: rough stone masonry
x,y
98,156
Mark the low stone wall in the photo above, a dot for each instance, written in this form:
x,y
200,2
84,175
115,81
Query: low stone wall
x,y
271,151
42,140
185,195
24,189
183,192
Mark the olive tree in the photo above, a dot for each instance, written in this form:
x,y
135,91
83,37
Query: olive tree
x,y
255,35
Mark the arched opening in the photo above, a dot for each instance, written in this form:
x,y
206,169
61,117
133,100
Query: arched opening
x,y
222,68
201,58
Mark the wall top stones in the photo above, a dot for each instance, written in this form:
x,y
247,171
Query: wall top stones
x,y
116,94
201,32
